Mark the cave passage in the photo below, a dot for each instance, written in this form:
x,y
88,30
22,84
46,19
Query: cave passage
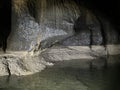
x,y
109,9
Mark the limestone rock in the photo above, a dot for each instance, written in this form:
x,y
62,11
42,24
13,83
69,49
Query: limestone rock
x,y
54,23
73,53
15,64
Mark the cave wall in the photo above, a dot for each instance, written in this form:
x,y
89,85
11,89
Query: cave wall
x,y
43,23
54,22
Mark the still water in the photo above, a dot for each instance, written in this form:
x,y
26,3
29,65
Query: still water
x,y
67,77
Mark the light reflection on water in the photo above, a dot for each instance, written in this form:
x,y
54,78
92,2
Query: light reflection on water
x,y
66,78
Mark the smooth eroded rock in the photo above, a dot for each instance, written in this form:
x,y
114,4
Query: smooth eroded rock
x,y
54,23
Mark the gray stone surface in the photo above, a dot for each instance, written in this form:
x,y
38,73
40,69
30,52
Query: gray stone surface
x,y
55,23
25,33
67,23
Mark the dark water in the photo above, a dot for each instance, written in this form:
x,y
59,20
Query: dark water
x,y
67,77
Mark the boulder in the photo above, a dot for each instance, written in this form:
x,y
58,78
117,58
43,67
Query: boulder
x,y
21,63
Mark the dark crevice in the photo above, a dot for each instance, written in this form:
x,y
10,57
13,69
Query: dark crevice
x,y
91,38
103,33
80,23
32,8
8,79
5,22
7,67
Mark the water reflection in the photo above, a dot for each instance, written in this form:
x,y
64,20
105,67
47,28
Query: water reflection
x,y
66,78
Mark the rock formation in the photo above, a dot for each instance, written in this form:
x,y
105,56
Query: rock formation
x,y
46,31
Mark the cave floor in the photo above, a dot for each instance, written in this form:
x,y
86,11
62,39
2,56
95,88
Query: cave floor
x,y
67,77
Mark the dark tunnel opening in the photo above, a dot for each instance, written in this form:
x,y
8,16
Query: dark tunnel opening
x,y
109,9
5,22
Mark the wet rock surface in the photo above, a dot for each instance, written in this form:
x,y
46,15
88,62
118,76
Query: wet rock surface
x,y
20,63
26,63
72,53
60,67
